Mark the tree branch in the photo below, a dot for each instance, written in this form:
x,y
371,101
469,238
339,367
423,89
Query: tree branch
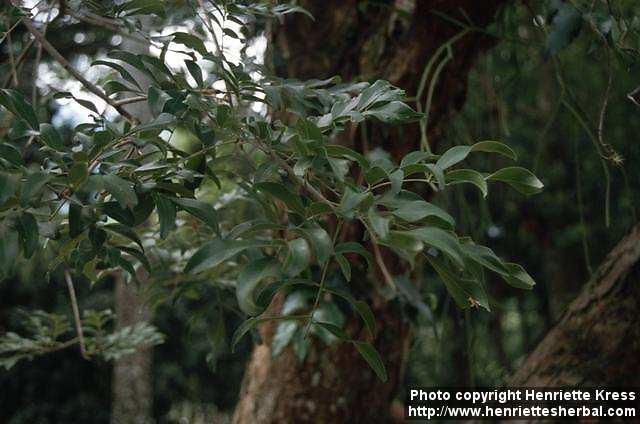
x,y
76,313
74,72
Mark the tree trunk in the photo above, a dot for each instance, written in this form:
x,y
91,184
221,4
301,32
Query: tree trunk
x,y
597,340
132,386
354,40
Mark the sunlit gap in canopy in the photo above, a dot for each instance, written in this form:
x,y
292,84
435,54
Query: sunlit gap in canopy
x,y
53,78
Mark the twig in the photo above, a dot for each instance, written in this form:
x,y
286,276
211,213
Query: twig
x,y
219,50
76,313
605,103
135,99
14,75
423,80
388,278
76,74
8,32
323,280
300,182
129,100
97,20
61,346
19,61
36,64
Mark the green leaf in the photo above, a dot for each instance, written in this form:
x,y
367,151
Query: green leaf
x,y
354,247
143,209
15,103
201,210
405,245
441,240
417,210
252,322
340,167
156,99
120,189
161,122
565,27
28,230
217,251
195,72
396,178
298,256
318,208
375,174
371,355
120,214
341,151
51,137
485,257
121,69
129,58
345,267
320,241
460,176
11,154
190,41
378,92
249,280
32,186
519,178
136,254
453,156
465,292
394,113
283,336
282,193
518,277
350,201
495,147
8,185
361,307
143,7
78,173
243,329
166,214
8,250
333,329
438,173
126,232
379,223
113,87
76,226
413,158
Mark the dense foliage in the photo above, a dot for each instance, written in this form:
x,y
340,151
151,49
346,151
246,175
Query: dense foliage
x,y
122,184
236,189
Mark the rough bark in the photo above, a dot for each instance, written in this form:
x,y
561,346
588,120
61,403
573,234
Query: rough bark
x,y
334,384
132,388
597,340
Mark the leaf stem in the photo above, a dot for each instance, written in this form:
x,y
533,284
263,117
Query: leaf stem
x,y
323,279
76,313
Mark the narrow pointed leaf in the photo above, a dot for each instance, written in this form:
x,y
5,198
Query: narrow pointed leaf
x,y
249,280
460,176
520,179
371,355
